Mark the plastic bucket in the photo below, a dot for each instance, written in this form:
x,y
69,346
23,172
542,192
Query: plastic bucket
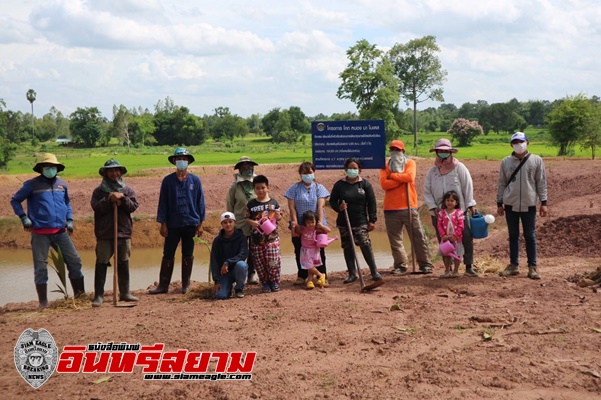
x,y
479,226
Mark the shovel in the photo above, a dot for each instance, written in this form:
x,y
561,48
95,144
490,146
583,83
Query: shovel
x,y
411,239
116,263
364,287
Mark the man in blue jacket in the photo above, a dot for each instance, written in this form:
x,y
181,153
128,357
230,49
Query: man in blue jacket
x,y
181,212
228,252
49,216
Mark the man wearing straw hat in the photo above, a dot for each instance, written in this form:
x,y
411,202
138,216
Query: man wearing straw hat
x,y
113,192
49,218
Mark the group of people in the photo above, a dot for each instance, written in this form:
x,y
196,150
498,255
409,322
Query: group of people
x,y
247,248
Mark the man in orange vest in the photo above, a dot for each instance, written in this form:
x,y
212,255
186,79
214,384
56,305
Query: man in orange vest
x,y
398,181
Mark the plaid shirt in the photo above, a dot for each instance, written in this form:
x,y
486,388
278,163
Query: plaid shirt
x,y
305,198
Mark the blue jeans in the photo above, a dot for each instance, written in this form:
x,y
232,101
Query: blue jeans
x,y
174,235
237,274
528,226
40,245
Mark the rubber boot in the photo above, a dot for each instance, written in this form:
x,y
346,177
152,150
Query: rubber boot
x,y
187,263
164,276
99,280
42,295
123,272
349,258
368,254
78,287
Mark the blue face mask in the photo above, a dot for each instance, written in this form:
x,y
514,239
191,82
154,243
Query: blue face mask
x,y
444,155
181,164
308,178
49,172
352,173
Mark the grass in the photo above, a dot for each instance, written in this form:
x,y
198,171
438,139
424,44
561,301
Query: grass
x,y
84,163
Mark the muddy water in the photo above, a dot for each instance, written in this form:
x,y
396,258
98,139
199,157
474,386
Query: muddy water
x,y
16,267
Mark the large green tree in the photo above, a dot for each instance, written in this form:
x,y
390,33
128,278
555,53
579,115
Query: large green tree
x,y
369,82
86,126
568,122
227,126
420,73
174,125
591,134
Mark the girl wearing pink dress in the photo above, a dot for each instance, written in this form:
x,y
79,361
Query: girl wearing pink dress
x,y
310,257
450,227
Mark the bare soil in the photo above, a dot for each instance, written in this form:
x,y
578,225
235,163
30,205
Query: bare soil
x,y
416,337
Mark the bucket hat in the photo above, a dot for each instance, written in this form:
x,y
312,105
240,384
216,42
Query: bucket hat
x,y
445,145
48,158
181,151
242,160
112,163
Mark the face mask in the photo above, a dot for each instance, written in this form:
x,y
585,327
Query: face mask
x,y
520,148
181,164
352,173
247,173
444,156
308,178
49,172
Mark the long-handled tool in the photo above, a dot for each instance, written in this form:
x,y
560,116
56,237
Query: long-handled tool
x,y
116,262
364,287
411,239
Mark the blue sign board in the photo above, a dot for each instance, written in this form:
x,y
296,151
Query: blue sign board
x,y
336,141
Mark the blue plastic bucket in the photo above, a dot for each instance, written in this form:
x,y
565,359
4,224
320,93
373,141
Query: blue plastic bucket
x,y
479,226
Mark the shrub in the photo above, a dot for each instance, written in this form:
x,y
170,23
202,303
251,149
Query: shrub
x,y
464,131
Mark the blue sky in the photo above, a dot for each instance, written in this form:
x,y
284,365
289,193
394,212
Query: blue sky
x,y
254,56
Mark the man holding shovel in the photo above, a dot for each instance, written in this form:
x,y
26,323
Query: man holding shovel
x,y
400,209
113,192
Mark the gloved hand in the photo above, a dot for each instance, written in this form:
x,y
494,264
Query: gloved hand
x,y
70,225
26,222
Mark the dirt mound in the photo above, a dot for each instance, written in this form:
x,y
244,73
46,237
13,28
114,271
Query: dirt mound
x,y
577,235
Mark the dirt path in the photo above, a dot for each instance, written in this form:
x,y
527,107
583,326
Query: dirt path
x,y
416,337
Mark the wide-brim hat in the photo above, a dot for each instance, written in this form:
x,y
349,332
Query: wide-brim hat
x,y
112,163
181,151
444,145
48,158
243,160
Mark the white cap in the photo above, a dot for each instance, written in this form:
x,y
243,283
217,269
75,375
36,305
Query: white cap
x,y
228,215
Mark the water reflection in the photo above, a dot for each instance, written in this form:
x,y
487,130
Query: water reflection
x,y
17,283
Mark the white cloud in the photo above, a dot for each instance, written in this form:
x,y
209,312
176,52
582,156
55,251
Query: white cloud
x,y
252,57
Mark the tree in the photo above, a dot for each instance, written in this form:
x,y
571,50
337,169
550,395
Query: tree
x,y
120,126
591,134
86,126
228,126
369,82
174,125
270,120
419,72
31,95
464,131
568,121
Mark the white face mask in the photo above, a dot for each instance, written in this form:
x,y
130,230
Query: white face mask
x,y
181,164
520,148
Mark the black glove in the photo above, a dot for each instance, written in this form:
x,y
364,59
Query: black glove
x,y
26,222
70,225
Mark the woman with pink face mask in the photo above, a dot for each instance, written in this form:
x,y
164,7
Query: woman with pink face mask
x,y
449,174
